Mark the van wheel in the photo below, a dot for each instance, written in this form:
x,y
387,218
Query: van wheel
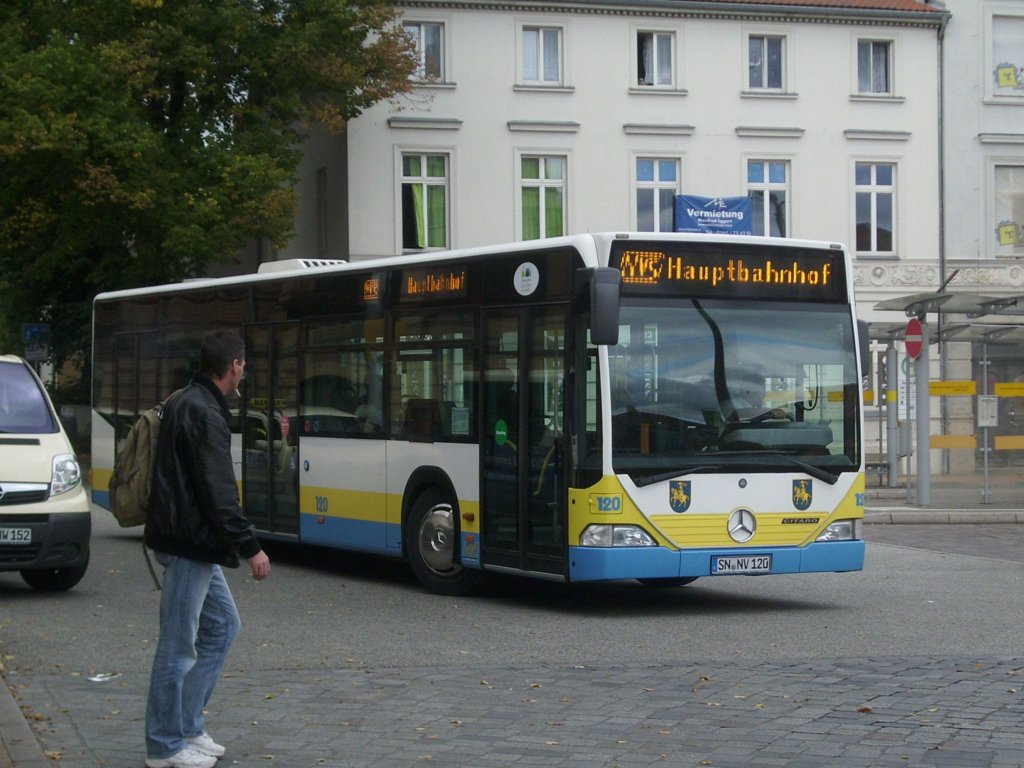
x,y
53,579
431,545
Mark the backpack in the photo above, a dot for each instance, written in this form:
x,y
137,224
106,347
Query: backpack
x,y
133,470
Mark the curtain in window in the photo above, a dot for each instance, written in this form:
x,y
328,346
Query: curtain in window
x,y
754,62
880,68
432,50
1009,207
872,67
645,58
666,216
530,45
1007,55
531,213
551,74
774,61
777,220
437,237
553,212
664,47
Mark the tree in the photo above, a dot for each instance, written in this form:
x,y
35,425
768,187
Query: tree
x,y
142,140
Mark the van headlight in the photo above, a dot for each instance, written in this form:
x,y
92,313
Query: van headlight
x,y
616,536
66,474
842,530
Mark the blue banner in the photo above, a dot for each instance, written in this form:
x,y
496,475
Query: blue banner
x,y
717,215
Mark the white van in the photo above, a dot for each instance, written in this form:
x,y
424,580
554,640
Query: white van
x,y
44,510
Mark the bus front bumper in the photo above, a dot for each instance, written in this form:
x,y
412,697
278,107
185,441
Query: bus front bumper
x,y
608,563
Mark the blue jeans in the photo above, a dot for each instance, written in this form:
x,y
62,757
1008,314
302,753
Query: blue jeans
x,y
198,624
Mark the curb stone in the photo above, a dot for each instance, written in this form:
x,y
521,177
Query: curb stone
x,y
18,745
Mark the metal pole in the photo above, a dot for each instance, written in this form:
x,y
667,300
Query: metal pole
x,y
892,415
924,474
986,432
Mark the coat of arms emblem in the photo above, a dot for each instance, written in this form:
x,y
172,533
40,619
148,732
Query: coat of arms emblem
x,y
679,495
803,492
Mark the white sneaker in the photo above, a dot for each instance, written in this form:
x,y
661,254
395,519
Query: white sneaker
x,y
204,743
186,758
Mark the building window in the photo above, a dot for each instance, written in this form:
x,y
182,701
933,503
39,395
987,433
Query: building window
x,y
768,188
424,201
657,184
542,55
429,39
876,208
654,58
1008,55
1009,209
874,66
542,196
765,60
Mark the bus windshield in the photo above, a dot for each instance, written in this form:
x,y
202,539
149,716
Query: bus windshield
x,y
704,385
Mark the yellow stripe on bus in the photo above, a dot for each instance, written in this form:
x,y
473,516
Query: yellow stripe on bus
x,y
373,507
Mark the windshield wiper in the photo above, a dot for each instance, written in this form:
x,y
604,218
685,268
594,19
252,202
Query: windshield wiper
x,y
819,473
675,474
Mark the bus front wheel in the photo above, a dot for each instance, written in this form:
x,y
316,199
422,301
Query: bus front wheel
x,y
431,545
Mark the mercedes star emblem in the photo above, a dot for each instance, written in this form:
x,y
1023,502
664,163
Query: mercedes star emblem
x,y
742,525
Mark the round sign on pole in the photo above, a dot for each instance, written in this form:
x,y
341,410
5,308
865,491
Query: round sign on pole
x,y
913,337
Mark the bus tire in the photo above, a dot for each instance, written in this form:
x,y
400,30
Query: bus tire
x,y
431,545
681,581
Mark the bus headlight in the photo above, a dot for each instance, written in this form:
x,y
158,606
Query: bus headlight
x,y
616,536
842,530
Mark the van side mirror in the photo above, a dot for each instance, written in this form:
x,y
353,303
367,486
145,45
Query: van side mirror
x,y
604,305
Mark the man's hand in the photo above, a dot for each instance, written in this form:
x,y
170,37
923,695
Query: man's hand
x,y
259,564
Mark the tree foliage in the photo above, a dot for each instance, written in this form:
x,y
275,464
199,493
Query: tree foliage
x,y
142,140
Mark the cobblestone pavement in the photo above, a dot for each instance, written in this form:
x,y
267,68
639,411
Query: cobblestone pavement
x,y
857,712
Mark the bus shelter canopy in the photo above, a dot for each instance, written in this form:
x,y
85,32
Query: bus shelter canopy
x,y
969,306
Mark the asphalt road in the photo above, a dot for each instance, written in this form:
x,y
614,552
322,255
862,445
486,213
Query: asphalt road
x,y
938,589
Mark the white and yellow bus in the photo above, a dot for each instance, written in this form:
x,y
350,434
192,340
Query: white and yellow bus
x,y
615,406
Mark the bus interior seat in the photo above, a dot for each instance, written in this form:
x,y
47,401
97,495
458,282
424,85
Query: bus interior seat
x,y
422,421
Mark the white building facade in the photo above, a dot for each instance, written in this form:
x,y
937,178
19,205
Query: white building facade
x,y
983,214
533,119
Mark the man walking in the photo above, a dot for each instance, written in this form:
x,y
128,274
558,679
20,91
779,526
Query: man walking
x,y
195,526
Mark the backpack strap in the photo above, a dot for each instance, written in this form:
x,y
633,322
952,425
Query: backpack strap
x,y
149,564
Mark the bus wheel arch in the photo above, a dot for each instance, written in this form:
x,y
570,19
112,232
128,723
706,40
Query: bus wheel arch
x,y
430,533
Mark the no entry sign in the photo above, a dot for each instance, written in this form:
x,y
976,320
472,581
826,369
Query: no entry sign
x,y
913,336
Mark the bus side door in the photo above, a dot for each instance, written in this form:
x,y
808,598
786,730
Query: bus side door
x,y
523,493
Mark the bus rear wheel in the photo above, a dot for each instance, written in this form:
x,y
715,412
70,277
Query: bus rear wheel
x,y
431,545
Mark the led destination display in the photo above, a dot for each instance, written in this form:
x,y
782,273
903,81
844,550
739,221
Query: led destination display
x,y
811,275
433,283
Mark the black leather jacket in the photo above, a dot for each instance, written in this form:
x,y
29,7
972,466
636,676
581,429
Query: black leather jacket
x,y
194,510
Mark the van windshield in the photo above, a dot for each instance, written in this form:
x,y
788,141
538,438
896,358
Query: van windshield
x,y
23,406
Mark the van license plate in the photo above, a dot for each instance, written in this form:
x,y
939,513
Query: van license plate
x,y
15,535
741,564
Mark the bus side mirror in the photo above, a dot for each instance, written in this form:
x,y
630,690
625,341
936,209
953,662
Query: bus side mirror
x,y
864,340
604,305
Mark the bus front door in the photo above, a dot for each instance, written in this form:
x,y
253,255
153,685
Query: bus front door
x,y
270,435
522,488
